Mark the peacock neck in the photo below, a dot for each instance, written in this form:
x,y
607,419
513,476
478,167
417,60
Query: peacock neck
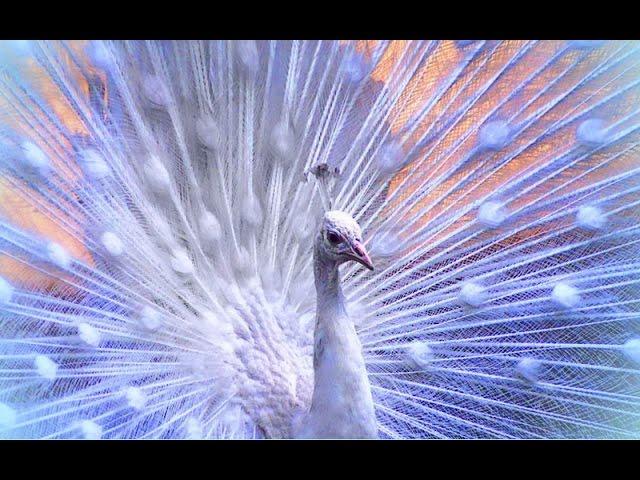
x,y
330,300
341,404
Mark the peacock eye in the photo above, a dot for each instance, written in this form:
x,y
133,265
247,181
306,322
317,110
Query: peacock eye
x,y
334,238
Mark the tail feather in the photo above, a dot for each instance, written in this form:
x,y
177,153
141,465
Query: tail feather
x,y
155,234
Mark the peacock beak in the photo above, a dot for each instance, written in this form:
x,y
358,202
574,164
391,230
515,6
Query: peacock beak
x,y
360,255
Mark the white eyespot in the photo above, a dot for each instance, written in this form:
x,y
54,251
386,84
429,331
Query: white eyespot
x,y
46,367
565,295
112,244
58,255
529,369
7,416
35,158
631,348
242,261
251,209
283,141
150,318
193,429
156,90
6,291
210,229
136,398
247,51
494,135
99,53
592,132
181,263
161,230
90,430
492,214
420,354
354,66
473,294
208,131
590,218
93,164
88,334
390,157
271,278
157,175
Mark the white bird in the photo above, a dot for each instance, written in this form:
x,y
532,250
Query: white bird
x,y
159,243
341,405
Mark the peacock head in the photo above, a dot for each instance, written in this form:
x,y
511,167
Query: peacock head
x,y
340,239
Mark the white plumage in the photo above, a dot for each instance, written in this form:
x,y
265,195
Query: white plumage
x,y
565,295
473,294
592,132
529,369
136,398
590,217
90,430
494,135
161,204
58,255
45,367
35,158
88,334
7,416
492,214
341,403
632,349
6,291
421,354
112,243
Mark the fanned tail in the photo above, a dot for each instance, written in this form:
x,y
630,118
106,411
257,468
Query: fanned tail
x,y
155,231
